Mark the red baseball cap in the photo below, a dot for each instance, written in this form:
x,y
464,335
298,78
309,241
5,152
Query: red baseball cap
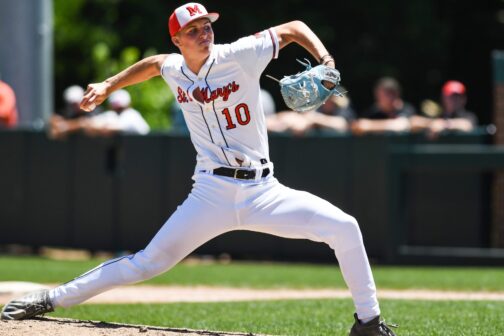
x,y
188,13
453,87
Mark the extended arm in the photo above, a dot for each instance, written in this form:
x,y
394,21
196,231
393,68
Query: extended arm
x,y
300,33
141,71
435,126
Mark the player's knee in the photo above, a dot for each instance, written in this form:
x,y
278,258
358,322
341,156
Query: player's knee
x,y
150,271
343,234
349,228
350,235
352,223
146,265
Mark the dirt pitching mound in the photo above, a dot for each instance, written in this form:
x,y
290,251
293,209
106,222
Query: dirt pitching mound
x,y
48,326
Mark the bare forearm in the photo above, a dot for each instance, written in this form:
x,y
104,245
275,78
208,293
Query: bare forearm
x,y
459,124
362,126
74,125
399,124
97,130
438,125
141,71
419,123
327,121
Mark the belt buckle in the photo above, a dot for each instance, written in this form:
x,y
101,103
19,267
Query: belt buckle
x,y
235,173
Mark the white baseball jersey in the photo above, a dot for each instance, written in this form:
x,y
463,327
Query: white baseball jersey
x,y
222,105
223,110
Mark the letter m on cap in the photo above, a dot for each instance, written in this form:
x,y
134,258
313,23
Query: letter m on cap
x,y
193,10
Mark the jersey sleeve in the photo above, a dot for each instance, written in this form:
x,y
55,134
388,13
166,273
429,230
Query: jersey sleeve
x,y
170,63
254,52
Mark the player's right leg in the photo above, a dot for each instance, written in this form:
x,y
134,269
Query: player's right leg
x,y
285,212
204,215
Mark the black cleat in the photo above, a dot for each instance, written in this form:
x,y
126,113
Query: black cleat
x,y
28,306
375,327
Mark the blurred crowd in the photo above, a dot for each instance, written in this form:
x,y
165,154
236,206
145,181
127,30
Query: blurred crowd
x,y
389,112
120,117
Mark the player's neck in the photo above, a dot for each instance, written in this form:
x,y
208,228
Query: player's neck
x,y
196,63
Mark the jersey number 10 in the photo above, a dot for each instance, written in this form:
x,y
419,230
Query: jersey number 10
x,y
242,116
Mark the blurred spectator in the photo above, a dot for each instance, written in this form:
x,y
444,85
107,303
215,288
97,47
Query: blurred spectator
x,y
451,115
281,121
288,121
8,106
58,124
389,112
120,119
335,115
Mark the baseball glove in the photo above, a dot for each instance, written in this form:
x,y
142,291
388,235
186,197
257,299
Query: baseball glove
x,y
307,90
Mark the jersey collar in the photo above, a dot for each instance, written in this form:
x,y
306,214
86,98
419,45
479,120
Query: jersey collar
x,y
204,69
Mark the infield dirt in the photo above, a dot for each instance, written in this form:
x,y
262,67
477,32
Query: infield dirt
x,y
46,326
156,294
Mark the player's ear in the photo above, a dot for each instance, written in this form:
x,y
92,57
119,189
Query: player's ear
x,y
176,40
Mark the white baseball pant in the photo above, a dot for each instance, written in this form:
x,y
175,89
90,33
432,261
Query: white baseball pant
x,y
219,204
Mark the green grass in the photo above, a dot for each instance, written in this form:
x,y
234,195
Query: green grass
x,y
290,317
267,275
304,317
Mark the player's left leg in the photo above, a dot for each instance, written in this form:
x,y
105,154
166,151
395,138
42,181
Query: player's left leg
x,y
282,211
206,213
201,217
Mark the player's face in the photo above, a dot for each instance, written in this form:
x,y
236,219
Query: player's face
x,y
197,36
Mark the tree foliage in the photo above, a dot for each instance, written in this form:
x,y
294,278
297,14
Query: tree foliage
x,y
91,48
421,42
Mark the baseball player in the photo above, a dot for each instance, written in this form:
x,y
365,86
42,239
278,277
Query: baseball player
x,y
217,86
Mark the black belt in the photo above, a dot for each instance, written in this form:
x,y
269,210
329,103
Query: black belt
x,y
242,174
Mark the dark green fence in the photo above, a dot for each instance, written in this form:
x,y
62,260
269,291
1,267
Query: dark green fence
x,y
411,196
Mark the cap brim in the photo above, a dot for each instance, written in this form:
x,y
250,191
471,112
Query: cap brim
x,y
210,16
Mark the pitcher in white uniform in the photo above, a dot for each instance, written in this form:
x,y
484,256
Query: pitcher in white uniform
x,y
217,87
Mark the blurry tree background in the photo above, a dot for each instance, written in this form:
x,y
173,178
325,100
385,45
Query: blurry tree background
x,y
420,42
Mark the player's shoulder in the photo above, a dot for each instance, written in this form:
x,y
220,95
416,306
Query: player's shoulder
x,y
255,38
241,44
172,61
